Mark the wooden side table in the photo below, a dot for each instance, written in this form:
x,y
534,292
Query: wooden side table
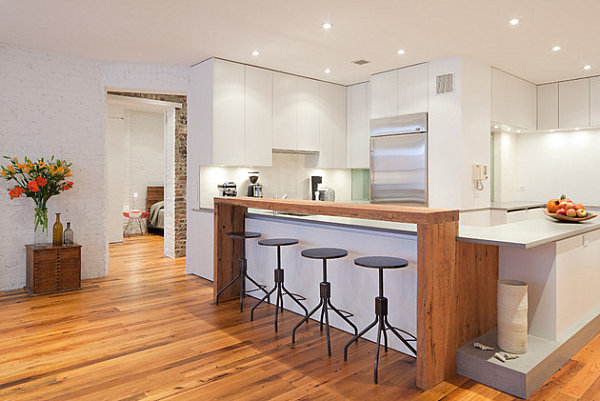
x,y
53,268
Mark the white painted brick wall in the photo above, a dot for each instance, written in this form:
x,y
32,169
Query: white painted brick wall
x,y
54,104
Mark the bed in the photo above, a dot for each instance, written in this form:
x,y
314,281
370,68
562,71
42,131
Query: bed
x,y
155,205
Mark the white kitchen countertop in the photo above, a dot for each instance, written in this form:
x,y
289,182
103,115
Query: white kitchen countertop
x,y
523,234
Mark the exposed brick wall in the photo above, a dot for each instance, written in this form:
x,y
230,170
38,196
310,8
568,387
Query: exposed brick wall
x,y
180,162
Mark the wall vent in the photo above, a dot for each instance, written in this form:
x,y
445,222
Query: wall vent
x,y
361,62
444,83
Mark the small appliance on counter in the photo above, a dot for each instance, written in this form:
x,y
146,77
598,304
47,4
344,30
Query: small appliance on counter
x,y
324,193
227,189
315,180
255,189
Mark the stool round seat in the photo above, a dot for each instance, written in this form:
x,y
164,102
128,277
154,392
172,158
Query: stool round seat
x,y
324,253
278,241
243,235
381,262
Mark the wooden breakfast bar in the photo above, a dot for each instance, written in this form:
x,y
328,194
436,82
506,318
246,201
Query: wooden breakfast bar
x,y
456,281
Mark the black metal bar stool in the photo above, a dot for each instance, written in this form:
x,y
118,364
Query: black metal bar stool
x,y
243,268
325,292
278,273
381,307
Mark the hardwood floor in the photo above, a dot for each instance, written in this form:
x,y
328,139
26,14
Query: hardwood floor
x,y
150,332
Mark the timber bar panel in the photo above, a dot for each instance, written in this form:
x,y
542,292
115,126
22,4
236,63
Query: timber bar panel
x,y
439,319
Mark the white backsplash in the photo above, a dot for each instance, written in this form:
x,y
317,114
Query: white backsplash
x,y
290,174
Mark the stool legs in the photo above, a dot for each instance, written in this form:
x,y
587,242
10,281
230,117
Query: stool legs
x,y
242,275
324,304
381,311
281,291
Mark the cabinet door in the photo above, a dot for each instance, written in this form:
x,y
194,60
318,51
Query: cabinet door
x,y
357,126
258,112
413,89
339,139
326,124
595,102
308,114
285,111
513,100
574,103
384,94
228,118
547,107
69,269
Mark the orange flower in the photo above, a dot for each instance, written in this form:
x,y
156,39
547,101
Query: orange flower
x,y
4,173
69,175
10,169
40,181
16,192
33,186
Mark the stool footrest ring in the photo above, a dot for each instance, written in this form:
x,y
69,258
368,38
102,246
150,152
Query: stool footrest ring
x,y
346,313
297,296
260,287
411,337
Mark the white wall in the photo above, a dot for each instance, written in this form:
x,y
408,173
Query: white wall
x,y
459,133
289,175
542,166
54,104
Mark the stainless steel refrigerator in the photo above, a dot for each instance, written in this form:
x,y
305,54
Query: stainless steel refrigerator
x,y
399,160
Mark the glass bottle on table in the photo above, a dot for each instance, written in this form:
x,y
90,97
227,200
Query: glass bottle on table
x,y
57,232
68,235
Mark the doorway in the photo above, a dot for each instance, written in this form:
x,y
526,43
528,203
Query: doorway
x,y
144,168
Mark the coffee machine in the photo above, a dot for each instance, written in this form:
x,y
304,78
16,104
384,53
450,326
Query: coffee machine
x,y
227,189
255,189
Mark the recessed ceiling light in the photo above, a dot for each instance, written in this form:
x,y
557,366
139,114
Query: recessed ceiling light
x,y
508,129
513,21
577,129
401,51
518,131
551,130
556,48
587,67
327,71
496,127
255,53
327,26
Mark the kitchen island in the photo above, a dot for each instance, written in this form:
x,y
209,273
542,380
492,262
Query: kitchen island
x,y
447,301
455,302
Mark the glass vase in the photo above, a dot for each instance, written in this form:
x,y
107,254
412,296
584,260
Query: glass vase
x,y
57,232
40,231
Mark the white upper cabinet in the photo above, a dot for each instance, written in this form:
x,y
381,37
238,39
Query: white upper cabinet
x,y
413,89
340,144
595,102
228,113
332,126
574,103
402,91
258,117
384,94
357,125
514,101
308,114
285,111
547,106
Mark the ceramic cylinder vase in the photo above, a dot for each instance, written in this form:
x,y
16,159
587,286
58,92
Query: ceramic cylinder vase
x,y
512,316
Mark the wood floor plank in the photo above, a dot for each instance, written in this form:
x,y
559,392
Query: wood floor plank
x,y
148,331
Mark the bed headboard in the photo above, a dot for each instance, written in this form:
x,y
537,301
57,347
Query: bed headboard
x,y
153,195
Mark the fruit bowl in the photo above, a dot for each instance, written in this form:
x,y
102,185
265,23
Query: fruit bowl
x,y
561,217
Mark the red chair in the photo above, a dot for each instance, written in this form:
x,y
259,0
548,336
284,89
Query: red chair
x,y
135,215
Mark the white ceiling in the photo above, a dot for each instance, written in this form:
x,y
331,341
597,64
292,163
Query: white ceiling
x,y
289,36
